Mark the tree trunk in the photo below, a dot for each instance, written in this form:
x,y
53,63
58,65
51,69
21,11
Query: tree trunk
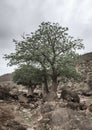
x,y
30,90
45,81
54,83
54,87
46,85
54,79
45,90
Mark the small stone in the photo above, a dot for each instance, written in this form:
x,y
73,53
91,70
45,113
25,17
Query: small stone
x,y
30,128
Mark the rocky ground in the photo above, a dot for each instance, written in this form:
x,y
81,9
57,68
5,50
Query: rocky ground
x,y
16,111
35,114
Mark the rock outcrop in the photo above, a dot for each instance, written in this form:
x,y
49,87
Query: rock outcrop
x,y
70,96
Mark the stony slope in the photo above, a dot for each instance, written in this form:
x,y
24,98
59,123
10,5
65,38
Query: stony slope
x,y
6,77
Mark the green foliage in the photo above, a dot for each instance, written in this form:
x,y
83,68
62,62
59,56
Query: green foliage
x,y
50,48
27,75
70,73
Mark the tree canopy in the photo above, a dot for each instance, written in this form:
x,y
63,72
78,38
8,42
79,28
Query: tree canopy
x,y
49,48
27,75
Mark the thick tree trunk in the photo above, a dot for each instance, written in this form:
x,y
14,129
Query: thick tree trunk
x,y
54,84
54,87
45,81
54,79
30,90
45,90
46,85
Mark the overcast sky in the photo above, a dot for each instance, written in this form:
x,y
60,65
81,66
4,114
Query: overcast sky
x,y
19,16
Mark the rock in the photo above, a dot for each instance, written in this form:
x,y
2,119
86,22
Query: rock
x,y
46,108
72,105
23,99
90,107
15,97
4,94
82,106
67,119
70,96
30,128
87,93
5,116
32,106
14,125
77,106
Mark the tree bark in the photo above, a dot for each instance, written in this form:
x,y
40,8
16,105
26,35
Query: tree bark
x,y
54,79
54,83
46,85
30,90
45,81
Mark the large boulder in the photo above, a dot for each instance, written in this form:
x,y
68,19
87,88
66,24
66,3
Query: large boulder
x,y
70,96
64,118
87,93
77,106
14,125
5,116
67,119
90,107
4,93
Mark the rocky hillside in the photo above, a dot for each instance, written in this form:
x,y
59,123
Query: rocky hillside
x,y
85,68
6,77
85,64
86,57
